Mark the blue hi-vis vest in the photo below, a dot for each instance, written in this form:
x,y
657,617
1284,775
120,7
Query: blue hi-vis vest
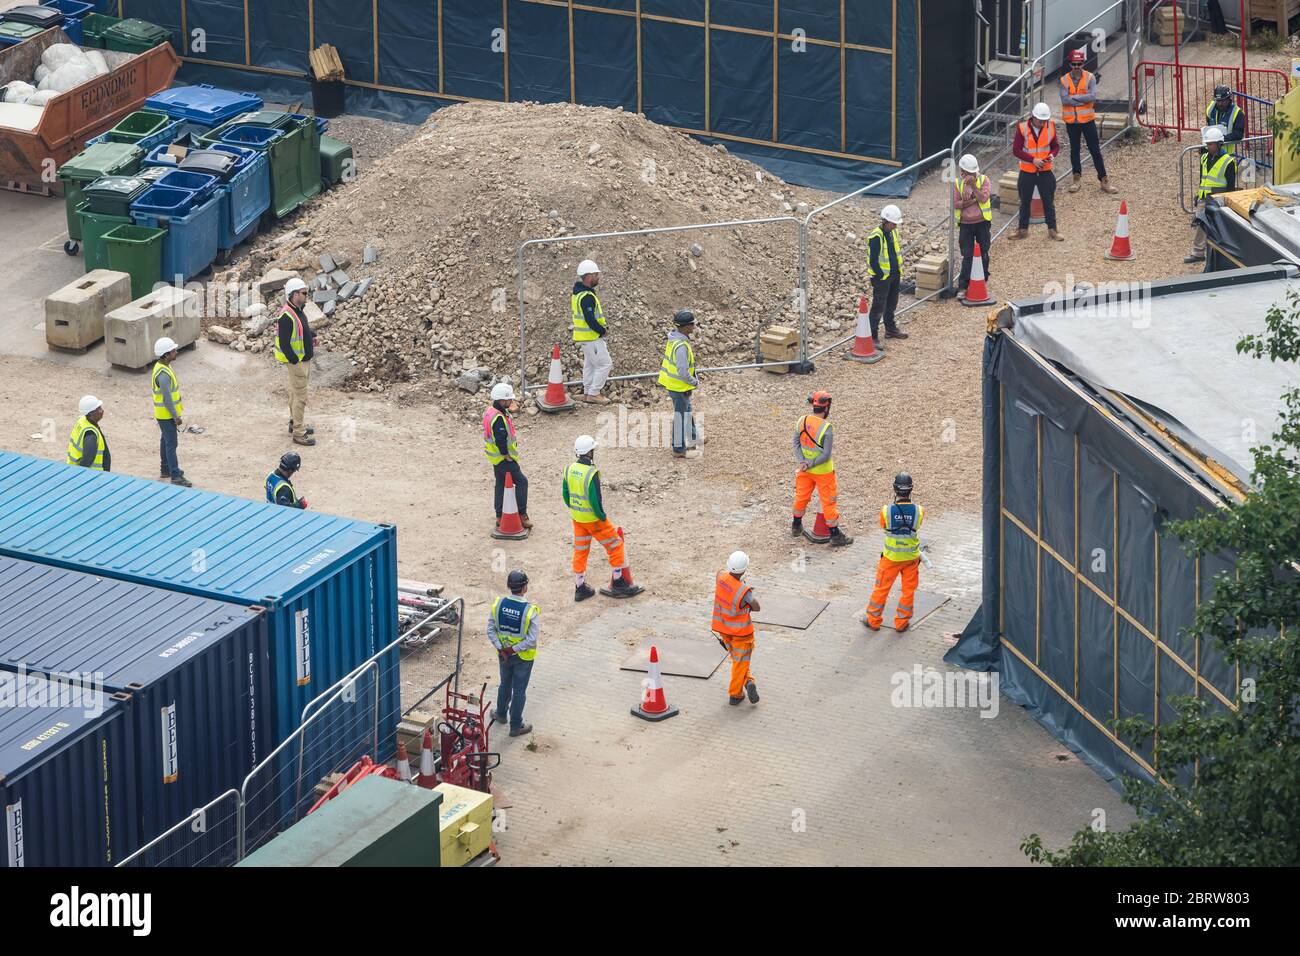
x,y
273,482
901,524
512,617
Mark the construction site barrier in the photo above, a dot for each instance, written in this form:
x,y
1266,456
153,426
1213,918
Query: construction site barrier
x,y
209,836
1189,172
1172,96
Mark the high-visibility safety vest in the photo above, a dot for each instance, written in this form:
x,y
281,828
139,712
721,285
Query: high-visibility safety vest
x,y
1214,118
274,482
494,454
578,478
76,446
668,377
901,523
986,205
1214,176
887,239
812,434
160,411
1038,147
513,617
295,340
582,332
730,613
1076,114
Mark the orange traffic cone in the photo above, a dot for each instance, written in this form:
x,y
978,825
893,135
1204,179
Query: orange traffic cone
x,y
427,778
626,574
1036,212
556,398
403,761
1120,249
864,346
977,293
821,532
653,705
510,527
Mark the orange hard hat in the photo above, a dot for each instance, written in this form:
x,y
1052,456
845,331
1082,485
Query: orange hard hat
x,y
821,399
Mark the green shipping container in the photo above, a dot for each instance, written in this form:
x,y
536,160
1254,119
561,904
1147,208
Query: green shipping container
x,y
102,159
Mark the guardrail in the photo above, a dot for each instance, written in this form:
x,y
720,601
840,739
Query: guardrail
x,y
1188,173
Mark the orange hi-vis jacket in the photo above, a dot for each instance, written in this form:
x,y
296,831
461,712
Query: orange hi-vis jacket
x,y
730,614
1040,147
1076,114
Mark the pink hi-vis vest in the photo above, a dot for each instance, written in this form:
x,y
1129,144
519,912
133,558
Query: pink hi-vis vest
x,y
495,454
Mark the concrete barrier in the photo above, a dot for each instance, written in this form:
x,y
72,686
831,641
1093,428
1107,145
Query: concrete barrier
x,y
74,315
130,331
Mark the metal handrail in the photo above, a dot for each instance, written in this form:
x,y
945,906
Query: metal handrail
x,y
1182,167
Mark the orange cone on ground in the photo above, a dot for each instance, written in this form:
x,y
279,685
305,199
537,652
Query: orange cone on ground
x,y
403,761
977,293
864,347
556,399
427,778
653,705
1036,212
510,527
1120,249
821,532
625,572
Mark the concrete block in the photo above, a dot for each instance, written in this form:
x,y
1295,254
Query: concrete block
x,y
329,307
321,296
327,263
274,281
341,260
74,315
131,330
369,254
362,287
346,290
340,278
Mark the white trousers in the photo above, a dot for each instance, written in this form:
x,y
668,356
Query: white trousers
x,y
596,365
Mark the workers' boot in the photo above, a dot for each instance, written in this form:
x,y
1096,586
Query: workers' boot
x,y
1074,182
618,584
895,333
1019,234
304,440
309,429
839,539
1193,258
796,527
182,481
688,453
875,341
1106,187
499,717
521,730
1055,236
583,591
523,520
733,701
752,690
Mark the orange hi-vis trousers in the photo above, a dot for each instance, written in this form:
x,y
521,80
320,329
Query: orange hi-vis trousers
x,y
886,571
741,650
608,538
804,483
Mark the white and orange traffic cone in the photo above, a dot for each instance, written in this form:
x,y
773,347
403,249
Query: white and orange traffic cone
x,y
821,531
555,399
1120,249
864,346
403,762
977,293
625,573
427,778
653,705
510,527
1036,212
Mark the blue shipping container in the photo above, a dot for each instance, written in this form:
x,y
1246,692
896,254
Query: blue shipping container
x,y
193,675
329,584
67,782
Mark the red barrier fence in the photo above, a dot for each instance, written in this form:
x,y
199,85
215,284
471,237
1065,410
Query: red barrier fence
x,y
1173,97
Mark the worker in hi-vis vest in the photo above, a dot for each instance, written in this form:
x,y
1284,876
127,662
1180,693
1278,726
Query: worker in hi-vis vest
x,y
972,210
295,347
87,445
502,450
590,331
901,556
813,441
513,630
677,374
885,269
1218,175
1034,145
167,410
279,483
733,600
581,492
1224,113
1079,114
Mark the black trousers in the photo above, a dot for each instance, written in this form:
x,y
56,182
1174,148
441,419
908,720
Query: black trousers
x,y
510,467
968,234
1046,183
1088,131
884,300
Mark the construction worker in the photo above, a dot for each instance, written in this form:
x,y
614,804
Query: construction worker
x,y
1218,175
279,483
885,267
589,331
733,599
677,374
973,209
502,450
167,410
513,630
812,452
87,446
1078,113
1035,145
581,492
294,348
902,555
1224,112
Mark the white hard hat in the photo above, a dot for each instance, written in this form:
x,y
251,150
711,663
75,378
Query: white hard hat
x,y
584,444
738,562
294,285
969,164
587,267
892,213
1042,112
502,391
88,404
1212,134
163,346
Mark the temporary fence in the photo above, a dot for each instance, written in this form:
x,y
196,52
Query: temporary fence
x,y
1249,173
1173,97
207,837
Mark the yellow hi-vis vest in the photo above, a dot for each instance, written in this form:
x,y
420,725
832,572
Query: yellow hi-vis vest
x,y
494,454
1214,178
887,239
986,207
75,447
668,367
160,411
295,340
513,616
582,332
578,478
1211,119
901,522
812,432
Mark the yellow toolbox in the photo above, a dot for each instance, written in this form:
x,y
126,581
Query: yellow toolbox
x,y
465,826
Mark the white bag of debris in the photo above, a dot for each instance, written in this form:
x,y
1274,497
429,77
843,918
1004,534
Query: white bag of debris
x,y
69,76
18,92
41,97
42,71
98,62
61,53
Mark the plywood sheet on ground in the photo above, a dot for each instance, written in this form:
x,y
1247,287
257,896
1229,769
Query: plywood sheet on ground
x,y
787,610
679,656
923,604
